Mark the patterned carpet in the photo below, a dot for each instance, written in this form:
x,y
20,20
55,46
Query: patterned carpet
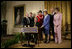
x,y
52,44
64,44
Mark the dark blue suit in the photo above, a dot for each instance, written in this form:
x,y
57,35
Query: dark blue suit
x,y
46,23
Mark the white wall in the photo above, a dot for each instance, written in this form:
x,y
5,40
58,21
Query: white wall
x,y
31,6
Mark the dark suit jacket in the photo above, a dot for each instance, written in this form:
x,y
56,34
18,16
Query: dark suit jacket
x,y
31,21
51,19
25,21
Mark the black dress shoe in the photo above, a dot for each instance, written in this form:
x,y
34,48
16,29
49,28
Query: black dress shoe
x,y
35,42
45,41
32,40
53,40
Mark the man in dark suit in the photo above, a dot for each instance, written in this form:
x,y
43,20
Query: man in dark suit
x,y
51,23
31,18
24,21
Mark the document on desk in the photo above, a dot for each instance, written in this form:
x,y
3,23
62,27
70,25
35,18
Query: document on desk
x,y
30,29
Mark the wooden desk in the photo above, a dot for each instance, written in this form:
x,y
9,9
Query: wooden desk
x,y
30,30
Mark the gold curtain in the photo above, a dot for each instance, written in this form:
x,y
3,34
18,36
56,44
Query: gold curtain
x,y
65,9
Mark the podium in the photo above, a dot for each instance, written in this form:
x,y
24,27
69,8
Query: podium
x,y
30,30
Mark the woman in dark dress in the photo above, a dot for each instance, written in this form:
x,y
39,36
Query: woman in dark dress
x,y
39,22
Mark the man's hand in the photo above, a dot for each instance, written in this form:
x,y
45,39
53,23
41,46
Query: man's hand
x,y
42,26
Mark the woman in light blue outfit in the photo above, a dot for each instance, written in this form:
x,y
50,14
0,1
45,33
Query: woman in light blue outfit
x,y
46,26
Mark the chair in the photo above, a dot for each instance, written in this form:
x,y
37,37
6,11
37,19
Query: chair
x,y
67,31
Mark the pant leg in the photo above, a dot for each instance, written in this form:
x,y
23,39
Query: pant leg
x,y
59,34
52,28
55,30
46,37
26,36
40,33
41,37
35,38
46,34
50,33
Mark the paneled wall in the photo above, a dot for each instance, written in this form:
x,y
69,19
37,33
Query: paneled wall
x,y
30,6
35,6
65,9
3,10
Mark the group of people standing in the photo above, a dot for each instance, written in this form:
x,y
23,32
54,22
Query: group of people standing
x,y
46,23
28,20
